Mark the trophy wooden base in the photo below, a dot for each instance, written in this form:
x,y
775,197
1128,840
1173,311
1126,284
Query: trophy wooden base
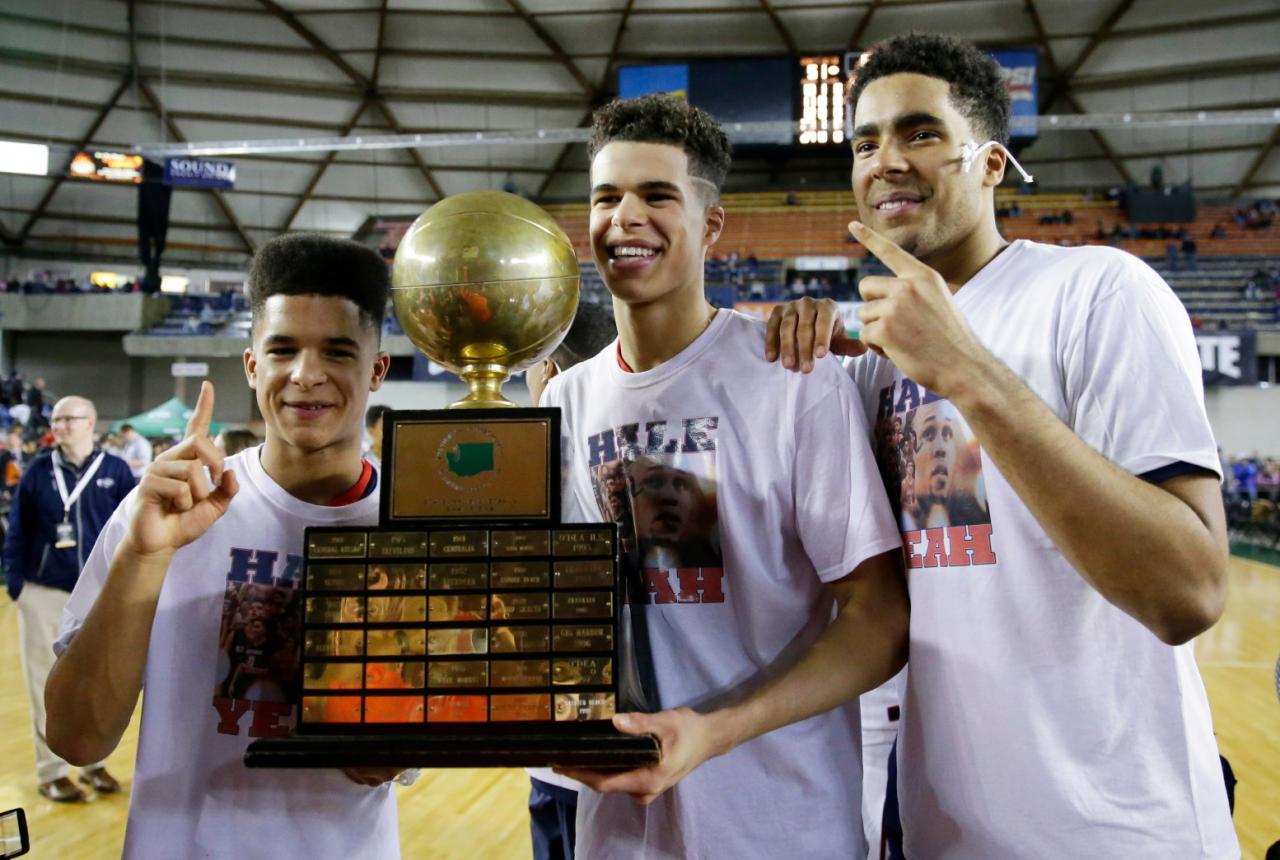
x,y
599,751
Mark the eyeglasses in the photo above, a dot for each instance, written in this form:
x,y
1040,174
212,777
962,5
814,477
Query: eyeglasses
x,y
67,419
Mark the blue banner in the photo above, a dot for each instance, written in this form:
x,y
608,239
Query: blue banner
x,y
199,173
635,81
1023,83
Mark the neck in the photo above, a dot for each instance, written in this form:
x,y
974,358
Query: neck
x,y
655,332
960,263
76,454
314,477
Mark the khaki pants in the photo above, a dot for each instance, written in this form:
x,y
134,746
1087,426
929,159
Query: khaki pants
x,y
39,619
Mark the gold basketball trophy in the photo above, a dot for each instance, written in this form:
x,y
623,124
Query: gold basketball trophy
x,y
471,627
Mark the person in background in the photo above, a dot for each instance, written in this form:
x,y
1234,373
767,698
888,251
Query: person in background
x,y
63,501
134,450
373,431
234,441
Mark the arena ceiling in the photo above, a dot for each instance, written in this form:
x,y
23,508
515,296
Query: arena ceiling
x,y
111,74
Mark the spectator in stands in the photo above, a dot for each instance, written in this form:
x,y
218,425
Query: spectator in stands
x,y
35,399
1189,250
1218,232
231,442
62,503
1269,480
134,450
373,432
1245,471
13,388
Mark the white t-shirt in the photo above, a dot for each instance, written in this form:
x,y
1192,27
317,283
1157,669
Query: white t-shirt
x,y
1040,720
739,488
219,670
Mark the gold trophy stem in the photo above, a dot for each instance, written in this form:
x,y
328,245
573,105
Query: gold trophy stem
x,y
484,384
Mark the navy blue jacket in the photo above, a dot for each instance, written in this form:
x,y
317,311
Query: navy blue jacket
x,y
29,554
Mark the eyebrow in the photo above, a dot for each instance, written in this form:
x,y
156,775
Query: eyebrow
x,y
651,185
900,123
285,340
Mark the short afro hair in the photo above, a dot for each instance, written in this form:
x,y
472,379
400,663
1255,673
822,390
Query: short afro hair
x,y
670,120
977,85
592,330
307,264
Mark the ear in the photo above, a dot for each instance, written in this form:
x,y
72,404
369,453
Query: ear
x,y
251,368
713,225
549,369
381,365
994,166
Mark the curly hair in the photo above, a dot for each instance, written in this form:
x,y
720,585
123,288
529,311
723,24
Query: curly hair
x,y
977,86
592,330
666,119
307,264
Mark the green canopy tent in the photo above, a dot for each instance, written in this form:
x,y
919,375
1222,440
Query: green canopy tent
x,y
168,419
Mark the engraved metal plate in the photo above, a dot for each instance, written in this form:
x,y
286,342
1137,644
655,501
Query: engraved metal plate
x,y
335,577
458,673
520,606
337,544
584,574
585,706
519,640
589,604
398,545
582,637
522,542
582,671
459,544
519,673
397,577
583,541
520,574
459,575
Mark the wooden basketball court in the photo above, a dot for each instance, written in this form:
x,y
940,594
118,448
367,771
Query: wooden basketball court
x,y
481,813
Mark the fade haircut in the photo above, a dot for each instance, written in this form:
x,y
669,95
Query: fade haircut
x,y
673,121
977,87
306,264
593,329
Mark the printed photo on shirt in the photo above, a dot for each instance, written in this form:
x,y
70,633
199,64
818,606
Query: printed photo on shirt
x,y
259,643
665,507
931,464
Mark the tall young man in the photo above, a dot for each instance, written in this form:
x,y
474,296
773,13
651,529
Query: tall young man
x,y
745,519
192,590
1053,704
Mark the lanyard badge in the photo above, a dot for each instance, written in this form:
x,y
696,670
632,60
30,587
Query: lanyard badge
x,y
65,533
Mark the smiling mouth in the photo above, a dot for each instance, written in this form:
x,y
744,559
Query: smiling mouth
x,y
309,408
632,256
898,204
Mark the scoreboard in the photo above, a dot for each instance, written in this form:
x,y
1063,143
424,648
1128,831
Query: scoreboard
x,y
804,96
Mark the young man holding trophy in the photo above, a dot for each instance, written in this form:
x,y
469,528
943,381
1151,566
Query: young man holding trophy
x,y
192,590
744,518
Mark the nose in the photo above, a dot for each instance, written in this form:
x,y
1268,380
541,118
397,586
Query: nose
x,y
308,369
629,212
889,159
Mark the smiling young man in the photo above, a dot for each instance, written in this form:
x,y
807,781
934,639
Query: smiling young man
x,y
1053,705
746,525
192,591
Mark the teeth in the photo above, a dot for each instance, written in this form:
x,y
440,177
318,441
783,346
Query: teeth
x,y
633,251
894,204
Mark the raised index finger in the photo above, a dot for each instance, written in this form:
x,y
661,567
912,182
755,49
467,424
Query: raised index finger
x,y
202,416
887,251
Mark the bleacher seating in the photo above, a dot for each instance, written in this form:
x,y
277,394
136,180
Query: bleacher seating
x,y
779,226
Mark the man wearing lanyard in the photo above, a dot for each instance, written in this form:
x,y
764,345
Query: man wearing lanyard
x,y
63,500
